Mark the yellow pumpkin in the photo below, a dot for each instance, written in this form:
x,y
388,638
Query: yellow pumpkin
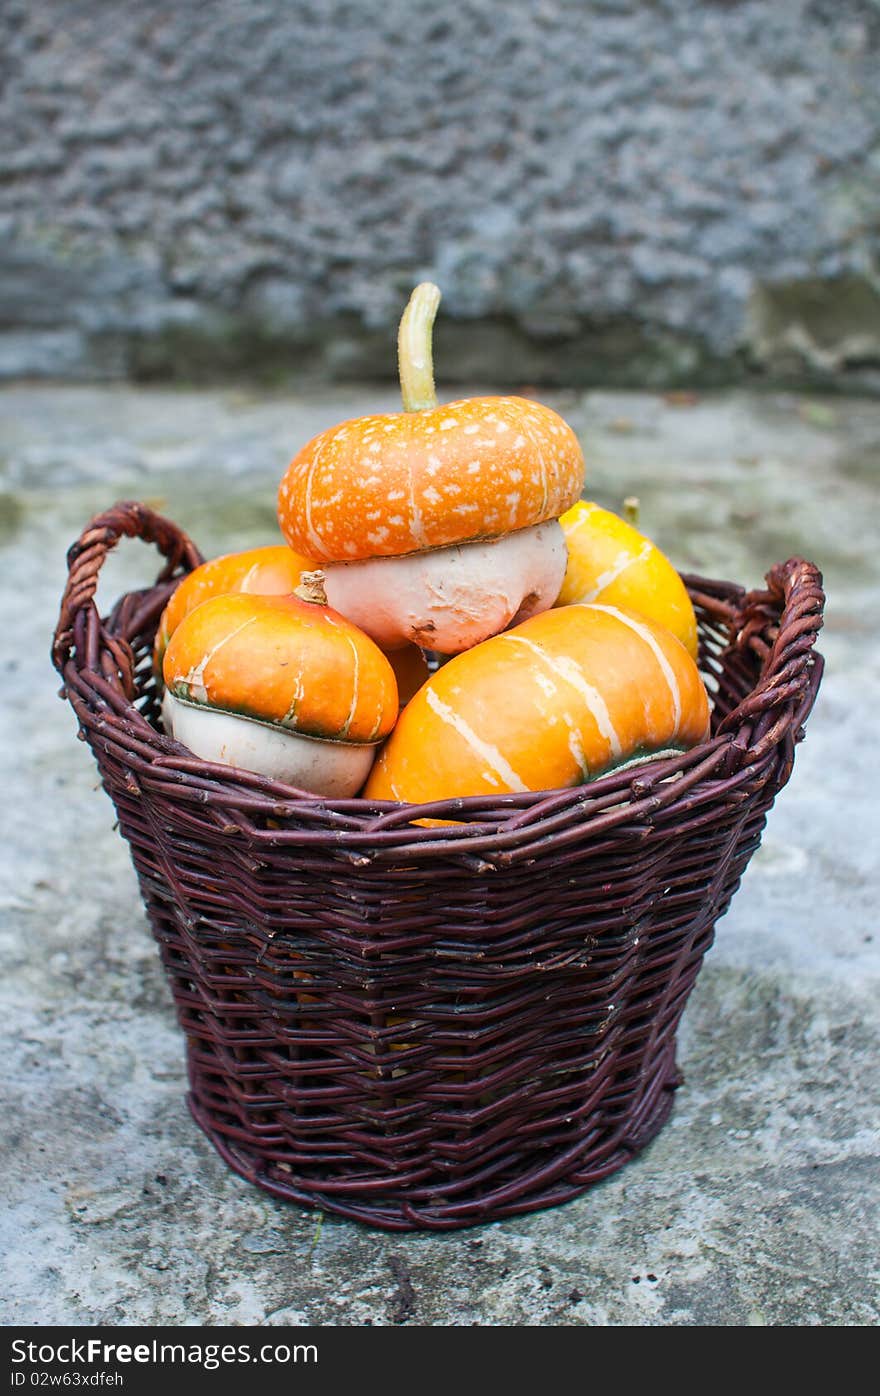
x,y
556,701
612,562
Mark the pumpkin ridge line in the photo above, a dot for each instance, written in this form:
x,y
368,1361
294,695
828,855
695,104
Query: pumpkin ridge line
x,y
622,563
666,669
346,726
490,754
196,675
596,704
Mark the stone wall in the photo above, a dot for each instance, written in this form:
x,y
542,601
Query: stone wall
x,y
656,192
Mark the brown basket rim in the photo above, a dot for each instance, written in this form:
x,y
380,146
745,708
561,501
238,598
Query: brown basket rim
x,y
778,624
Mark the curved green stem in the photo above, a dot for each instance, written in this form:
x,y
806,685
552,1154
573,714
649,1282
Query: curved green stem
x,y
414,357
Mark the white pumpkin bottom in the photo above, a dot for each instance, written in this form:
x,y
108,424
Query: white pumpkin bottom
x,y
335,769
449,599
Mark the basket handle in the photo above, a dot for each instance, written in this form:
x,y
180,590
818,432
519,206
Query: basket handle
x,y
86,557
779,624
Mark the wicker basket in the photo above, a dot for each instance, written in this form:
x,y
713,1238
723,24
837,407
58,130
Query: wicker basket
x,y
432,1027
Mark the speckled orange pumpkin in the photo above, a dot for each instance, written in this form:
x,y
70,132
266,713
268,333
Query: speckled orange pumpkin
x,y
554,702
387,486
438,524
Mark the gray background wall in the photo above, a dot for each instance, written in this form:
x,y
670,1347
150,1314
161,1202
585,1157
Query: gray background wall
x,y
606,192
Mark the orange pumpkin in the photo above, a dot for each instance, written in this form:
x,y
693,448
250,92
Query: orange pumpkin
x,y
437,524
282,685
611,561
387,486
558,700
271,571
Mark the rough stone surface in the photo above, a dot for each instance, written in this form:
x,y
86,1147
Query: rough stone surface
x,y
757,1204
606,193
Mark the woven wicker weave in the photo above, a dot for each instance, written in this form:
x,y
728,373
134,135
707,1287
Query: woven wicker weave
x,y
432,1027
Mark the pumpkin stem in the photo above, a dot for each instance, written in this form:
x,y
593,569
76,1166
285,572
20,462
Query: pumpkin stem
x,y
414,357
631,510
311,588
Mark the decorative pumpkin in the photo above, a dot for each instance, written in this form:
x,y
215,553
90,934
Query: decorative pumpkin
x,y
272,571
439,524
610,561
281,685
559,700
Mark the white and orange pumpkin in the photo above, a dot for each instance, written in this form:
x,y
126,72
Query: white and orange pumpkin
x,y
437,525
558,700
610,561
270,571
280,685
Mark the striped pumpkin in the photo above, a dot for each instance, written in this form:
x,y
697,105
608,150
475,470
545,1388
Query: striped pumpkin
x,y
612,562
559,700
270,571
281,685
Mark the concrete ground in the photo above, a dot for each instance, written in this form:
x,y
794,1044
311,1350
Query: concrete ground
x,y
757,1204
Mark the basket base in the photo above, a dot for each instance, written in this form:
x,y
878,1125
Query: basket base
x,y
569,1177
